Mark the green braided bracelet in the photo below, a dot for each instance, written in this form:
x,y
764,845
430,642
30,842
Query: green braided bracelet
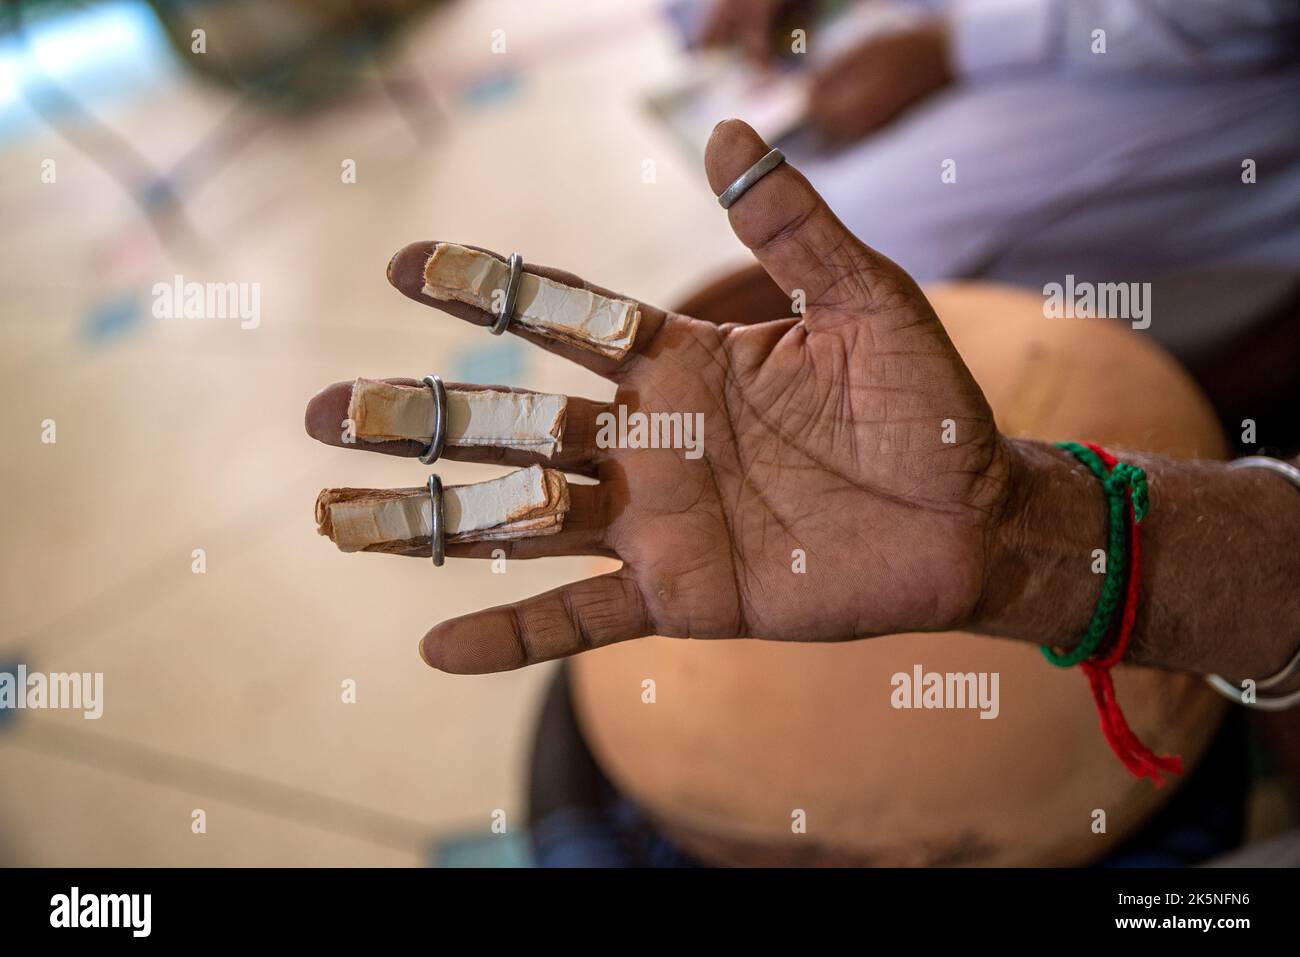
x,y
1115,484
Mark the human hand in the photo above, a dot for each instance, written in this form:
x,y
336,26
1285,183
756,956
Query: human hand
x,y
749,25
870,84
823,433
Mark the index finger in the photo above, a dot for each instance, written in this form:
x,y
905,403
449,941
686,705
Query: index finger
x,y
406,271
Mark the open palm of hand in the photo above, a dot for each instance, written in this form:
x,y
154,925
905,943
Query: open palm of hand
x,y
851,476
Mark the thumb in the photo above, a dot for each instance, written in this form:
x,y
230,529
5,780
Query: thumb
x,y
798,240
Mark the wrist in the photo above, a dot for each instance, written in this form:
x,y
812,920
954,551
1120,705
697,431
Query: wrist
x,y
1039,579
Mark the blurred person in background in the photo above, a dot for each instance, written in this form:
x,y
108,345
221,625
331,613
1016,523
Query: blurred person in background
x,y
1022,141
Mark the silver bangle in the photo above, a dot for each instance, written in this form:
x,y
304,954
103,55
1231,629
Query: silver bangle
x,y
1292,667
439,439
507,312
437,528
742,183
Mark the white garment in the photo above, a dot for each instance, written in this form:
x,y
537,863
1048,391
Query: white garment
x,y
1118,167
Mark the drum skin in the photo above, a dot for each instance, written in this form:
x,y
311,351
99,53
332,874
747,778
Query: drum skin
x,y
747,739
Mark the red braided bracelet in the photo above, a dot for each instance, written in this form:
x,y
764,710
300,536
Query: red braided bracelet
x,y
1140,760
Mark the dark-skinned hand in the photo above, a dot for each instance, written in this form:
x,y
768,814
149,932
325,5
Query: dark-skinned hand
x,y
823,432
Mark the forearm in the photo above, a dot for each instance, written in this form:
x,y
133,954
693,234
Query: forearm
x,y
1220,563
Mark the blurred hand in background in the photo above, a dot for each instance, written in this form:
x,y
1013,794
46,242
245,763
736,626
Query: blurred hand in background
x,y
876,80
860,89
749,25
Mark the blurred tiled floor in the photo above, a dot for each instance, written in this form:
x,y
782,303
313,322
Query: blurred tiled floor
x,y
222,690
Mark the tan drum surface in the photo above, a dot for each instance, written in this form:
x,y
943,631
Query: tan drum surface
x,y
745,734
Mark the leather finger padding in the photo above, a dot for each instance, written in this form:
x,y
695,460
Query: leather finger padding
x,y
578,316
521,504
383,411
327,420
406,273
